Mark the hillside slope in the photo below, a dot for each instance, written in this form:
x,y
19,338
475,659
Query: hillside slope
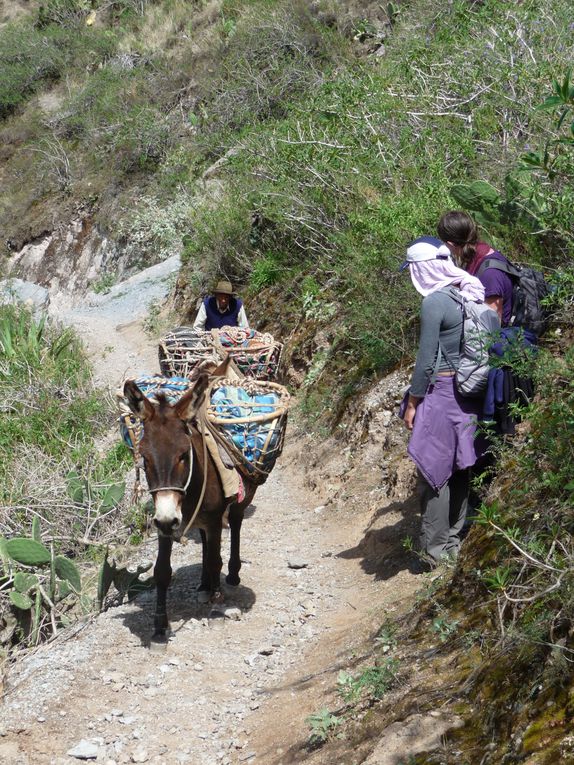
x,y
295,148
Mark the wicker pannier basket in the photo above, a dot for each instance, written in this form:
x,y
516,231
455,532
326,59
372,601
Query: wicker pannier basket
x,y
183,348
249,420
256,354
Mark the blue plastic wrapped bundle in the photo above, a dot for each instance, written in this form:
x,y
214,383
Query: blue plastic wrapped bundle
x,y
229,402
252,423
172,388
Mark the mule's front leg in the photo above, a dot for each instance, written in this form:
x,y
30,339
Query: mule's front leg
x,y
234,566
162,576
212,563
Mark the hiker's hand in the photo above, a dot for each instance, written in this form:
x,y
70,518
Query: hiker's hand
x,y
410,411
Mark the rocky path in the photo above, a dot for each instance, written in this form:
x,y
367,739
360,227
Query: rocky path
x,y
227,689
110,324
192,703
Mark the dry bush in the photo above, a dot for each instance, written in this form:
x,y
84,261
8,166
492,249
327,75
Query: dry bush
x,y
267,59
39,485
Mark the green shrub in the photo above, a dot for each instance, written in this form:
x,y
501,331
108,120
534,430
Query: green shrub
x,y
372,682
142,141
270,54
155,231
45,382
31,58
266,272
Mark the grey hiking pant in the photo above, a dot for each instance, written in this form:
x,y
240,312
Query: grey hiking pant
x,y
443,514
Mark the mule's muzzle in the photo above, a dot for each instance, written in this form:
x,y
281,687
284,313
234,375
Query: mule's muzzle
x,y
167,528
167,517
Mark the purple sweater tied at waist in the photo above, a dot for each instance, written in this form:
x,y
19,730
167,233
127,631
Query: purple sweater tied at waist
x,y
443,438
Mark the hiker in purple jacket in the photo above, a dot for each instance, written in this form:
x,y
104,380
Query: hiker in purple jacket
x,y
222,309
506,386
443,422
460,233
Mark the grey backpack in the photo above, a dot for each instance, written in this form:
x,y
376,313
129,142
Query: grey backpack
x,y
480,325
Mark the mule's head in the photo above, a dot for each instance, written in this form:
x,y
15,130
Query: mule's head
x,y
166,449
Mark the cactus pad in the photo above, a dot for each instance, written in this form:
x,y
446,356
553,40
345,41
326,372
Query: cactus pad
x,y
27,551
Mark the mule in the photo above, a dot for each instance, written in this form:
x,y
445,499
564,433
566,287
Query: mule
x,y
183,480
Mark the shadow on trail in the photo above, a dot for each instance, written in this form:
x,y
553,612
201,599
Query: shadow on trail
x,y
182,603
250,510
382,547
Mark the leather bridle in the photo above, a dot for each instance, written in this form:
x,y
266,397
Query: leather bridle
x,y
201,418
182,489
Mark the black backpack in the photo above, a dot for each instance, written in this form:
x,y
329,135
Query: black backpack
x,y
529,287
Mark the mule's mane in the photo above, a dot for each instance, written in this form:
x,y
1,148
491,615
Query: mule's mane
x,y
164,406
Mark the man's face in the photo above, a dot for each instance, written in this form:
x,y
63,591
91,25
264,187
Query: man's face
x,y
222,301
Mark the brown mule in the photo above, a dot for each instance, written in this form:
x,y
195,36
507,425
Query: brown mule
x,y
182,475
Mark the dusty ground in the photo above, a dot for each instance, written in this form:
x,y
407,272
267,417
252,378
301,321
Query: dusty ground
x,y
322,565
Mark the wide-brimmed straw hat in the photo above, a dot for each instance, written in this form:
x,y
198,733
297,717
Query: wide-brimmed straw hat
x,y
425,248
223,288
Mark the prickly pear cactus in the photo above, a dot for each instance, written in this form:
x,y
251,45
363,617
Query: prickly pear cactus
x,y
20,600
25,582
482,199
476,195
67,570
27,551
36,535
105,580
37,597
126,580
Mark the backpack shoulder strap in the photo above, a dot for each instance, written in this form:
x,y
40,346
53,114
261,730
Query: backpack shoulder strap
x,y
453,293
457,297
500,265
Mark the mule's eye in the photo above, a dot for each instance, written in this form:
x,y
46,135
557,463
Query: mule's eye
x,y
183,457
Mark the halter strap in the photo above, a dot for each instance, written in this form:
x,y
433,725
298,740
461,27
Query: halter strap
x,y
183,489
200,500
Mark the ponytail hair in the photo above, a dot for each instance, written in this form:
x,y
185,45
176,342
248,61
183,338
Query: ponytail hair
x,y
459,228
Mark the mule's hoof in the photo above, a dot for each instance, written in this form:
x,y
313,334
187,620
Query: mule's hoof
x,y
216,612
158,642
203,596
232,580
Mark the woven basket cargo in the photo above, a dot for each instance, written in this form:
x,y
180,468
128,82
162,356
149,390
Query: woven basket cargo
x,y
249,420
185,349
256,354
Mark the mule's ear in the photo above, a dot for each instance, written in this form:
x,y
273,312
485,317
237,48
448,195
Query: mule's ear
x,y
188,405
137,402
222,369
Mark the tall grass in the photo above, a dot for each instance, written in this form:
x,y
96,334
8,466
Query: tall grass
x,y
46,392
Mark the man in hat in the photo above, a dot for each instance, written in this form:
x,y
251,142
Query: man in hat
x,y
221,309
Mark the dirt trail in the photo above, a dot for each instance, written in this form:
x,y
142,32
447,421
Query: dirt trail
x,y
226,690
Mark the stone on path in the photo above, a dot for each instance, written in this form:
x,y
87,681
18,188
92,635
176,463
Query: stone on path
x,y
140,755
84,750
297,563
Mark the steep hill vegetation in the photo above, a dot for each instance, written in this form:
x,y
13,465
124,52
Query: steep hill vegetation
x,y
295,148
